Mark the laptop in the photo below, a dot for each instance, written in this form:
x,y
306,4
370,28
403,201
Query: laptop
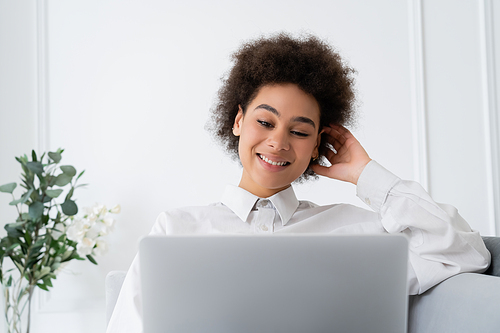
x,y
278,283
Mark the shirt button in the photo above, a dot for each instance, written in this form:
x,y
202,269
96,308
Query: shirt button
x,y
264,202
368,202
264,227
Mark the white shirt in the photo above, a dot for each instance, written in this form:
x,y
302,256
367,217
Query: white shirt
x,y
441,242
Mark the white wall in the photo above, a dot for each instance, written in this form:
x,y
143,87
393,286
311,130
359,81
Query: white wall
x,y
461,103
18,93
125,88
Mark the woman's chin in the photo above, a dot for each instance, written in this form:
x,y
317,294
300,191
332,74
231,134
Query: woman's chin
x,y
273,186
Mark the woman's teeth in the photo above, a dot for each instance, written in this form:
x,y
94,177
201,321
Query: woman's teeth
x,y
262,157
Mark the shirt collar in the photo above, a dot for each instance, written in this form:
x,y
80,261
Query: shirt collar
x,y
241,202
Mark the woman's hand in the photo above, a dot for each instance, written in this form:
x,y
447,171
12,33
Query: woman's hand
x,y
350,159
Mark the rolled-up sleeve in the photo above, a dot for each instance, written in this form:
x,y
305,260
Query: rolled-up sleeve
x,y
441,243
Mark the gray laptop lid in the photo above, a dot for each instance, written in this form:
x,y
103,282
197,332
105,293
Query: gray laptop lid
x,y
279,283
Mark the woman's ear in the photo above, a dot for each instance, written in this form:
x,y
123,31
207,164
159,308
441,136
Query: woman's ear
x,y
315,153
238,122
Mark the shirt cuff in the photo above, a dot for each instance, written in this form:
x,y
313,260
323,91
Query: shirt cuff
x,y
374,184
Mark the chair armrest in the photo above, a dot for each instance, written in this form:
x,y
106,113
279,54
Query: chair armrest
x,y
493,245
466,302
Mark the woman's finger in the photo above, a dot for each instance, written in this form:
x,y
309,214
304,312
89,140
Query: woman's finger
x,y
330,155
320,170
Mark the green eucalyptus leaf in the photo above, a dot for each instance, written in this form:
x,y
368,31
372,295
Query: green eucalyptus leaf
x,y
55,266
63,180
45,219
23,199
35,196
67,254
56,157
51,180
43,181
19,266
27,195
91,259
69,170
27,237
39,242
80,174
36,210
44,271
17,225
16,202
47,281
69,208
8,188
42,286
70,193
35,167
12,247
32,262
53,193
14,231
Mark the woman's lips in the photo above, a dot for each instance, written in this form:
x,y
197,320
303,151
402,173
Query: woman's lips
x,y
272,162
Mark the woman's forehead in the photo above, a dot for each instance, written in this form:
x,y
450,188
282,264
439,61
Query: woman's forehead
x,y
286,100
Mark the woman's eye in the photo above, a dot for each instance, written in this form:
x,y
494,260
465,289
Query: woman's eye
x,y
299,133
264,123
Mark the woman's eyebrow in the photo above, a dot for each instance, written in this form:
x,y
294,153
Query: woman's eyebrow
x,y
269,108
305,120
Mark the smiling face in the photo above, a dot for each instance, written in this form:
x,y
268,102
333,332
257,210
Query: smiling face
x,y
279,134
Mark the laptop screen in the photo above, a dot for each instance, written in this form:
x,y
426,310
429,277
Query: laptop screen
x,y
279,283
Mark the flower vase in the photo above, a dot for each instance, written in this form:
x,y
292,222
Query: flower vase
x,y
17,305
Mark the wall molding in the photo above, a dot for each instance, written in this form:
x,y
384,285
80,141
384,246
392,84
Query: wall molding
x,y
418,97
42,95
490,116
42,110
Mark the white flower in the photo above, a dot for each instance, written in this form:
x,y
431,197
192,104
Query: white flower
x,y
100,209
76,232
116,209
85,246
93,232
91,217
86,231
88,223
103,228
109,222
101,247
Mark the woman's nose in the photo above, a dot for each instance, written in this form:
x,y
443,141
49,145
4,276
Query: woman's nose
x,y
278,139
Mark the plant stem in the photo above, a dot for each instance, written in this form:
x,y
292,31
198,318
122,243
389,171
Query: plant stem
x,y
31,289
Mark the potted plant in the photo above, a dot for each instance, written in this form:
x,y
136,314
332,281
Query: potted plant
x,y
47,234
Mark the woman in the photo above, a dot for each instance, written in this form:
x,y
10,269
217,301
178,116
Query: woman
x,y
281,112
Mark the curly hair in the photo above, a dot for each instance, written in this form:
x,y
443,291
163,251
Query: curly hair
x,y
313,65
